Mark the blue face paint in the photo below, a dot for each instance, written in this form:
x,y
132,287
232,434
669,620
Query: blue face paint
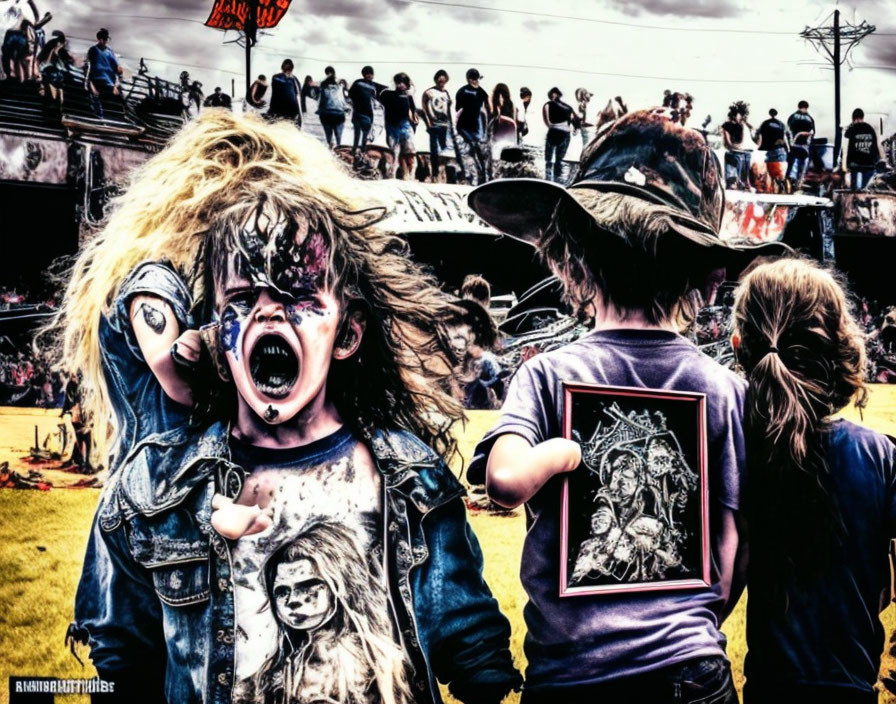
x,y
230,331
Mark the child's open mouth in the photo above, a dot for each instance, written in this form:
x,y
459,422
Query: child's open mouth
x,y
274,366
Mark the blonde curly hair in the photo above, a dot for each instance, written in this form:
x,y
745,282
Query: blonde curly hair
x,y
166,213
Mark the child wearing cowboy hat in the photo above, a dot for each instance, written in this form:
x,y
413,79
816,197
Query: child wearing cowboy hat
x,y
632,239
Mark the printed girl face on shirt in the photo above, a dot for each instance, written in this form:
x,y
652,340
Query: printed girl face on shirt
x,y
302,600
279,317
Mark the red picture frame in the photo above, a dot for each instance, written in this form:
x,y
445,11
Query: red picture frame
x,y
635,514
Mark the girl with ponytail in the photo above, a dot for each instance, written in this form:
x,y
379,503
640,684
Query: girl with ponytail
x,y
822,492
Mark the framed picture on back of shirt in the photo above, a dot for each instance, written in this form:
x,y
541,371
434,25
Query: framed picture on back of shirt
x,y
635,513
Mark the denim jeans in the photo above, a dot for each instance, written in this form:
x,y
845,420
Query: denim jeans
x,y
473,154
737,169
702,680
797,161
362,125
860,177
555,145
333,125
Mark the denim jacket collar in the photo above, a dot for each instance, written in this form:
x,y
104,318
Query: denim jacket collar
x,y
165,467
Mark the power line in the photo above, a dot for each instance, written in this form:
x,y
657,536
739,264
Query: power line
x,y
558,69
615,23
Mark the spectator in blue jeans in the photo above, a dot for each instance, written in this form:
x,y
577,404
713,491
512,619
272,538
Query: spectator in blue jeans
x,y
737,148
102,72
331,108
436,105
863,152
470,101
561,121
362,94
802,128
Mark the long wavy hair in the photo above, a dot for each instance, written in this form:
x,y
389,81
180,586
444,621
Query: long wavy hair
x,y
613,252
393,381
166,214
360,622
804,357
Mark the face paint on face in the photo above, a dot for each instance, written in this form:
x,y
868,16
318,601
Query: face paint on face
x,y
278,324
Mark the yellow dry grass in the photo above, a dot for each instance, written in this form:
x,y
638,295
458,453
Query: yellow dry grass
x,y
43,535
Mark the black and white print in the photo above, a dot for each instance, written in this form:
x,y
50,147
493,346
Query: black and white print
x,y
635,509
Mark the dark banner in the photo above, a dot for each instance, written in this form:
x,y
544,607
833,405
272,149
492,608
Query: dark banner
x,y
232,14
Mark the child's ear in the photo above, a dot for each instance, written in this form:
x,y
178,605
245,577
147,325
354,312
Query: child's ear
x,y
349,339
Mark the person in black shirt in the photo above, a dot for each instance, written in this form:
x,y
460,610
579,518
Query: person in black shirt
x,y
310,89
362,94
772,139
737,151
218,99
802,128
560,119
401,119
257,90
863,152
285,95
469,103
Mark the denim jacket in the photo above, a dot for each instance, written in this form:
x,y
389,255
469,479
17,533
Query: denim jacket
x,y
155,601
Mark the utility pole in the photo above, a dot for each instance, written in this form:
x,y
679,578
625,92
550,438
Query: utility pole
x,y
831,40
250,32
838,133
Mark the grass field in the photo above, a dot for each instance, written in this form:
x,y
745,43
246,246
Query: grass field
x,y
43,534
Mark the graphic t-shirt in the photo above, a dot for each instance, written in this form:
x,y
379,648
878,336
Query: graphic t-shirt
x,y
470,100
595,638
437,110
302,587
862,152
772,133
362,94
800,122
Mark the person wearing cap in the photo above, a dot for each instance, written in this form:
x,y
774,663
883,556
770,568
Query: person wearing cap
x,y
560,120
632,239
101,71
469,102
362,93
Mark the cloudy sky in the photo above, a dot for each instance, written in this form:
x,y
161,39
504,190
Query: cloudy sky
x,y
718,50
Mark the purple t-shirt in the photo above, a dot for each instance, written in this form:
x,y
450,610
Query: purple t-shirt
x,y
595,638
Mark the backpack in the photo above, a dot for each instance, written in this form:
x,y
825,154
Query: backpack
x,y
332,100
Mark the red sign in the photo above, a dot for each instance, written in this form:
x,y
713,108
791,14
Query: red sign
x,y
232,14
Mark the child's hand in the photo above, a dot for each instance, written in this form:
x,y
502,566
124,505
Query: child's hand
x,y
186,348
236,520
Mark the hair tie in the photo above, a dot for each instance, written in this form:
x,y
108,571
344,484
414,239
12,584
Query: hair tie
x,y
772,349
